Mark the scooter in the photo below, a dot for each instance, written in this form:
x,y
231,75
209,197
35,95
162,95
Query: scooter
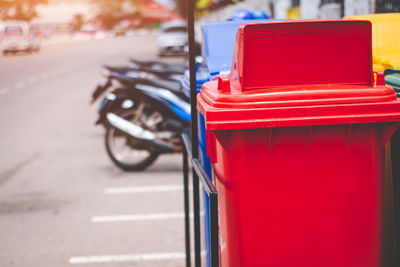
x,y
157,65
144,119
154,70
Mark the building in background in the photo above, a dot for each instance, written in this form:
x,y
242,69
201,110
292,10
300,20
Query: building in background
x,y
153,12
303,9
330,9
57,15
309,9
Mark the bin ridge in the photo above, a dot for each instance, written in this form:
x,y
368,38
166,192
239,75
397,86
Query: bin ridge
x,y
297,146
302,52
296,95
333,87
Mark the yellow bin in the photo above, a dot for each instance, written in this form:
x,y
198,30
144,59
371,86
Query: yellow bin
x,y
385,39
386,54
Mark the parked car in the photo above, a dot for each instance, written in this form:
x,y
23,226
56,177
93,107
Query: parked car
x,y
173,39
18,37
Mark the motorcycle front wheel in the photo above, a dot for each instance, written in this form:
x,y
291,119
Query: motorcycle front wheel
x,y
127,153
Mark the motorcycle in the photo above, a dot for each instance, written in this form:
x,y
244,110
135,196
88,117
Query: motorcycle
x,y
144,118
154,70
157,65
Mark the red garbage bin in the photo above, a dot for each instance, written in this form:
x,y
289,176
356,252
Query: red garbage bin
x,y
296,135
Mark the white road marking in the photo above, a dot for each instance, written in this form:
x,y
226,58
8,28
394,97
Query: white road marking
x,y
44,76
4,90
143,189
127,257
53,73
138,217
19,85
31,80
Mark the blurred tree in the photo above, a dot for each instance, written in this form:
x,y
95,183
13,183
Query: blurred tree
x,y
202,6
77,21
181,7
110,12
19,9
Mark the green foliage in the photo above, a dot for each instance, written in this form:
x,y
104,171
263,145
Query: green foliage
x,y
19,9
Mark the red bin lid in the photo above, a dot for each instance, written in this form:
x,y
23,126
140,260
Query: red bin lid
x,y
295,73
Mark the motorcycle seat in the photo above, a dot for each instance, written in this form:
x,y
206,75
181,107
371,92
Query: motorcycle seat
x,y
119,70
172,86
160,65
154,70
169,85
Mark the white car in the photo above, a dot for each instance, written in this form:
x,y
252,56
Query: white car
x,y
173,39
17,37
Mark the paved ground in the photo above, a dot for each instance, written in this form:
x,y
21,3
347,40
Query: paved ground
x,y
60,196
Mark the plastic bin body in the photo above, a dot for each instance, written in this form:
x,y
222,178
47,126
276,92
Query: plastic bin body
x,y
296,146
277,211
392,79
385,39
217,51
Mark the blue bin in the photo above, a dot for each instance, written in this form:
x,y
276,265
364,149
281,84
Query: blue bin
x,y
217,52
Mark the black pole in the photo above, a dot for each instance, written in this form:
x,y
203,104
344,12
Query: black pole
x,y
193,126
214,229
186,204
196,215
192,70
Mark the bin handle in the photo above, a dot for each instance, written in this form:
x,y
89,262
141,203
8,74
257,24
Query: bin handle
x,y
379,78
204,178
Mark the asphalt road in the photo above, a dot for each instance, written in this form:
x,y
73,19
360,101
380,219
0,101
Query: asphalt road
x,y
62,201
